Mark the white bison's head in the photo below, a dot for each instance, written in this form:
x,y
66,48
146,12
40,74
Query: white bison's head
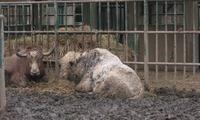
x,y
67,62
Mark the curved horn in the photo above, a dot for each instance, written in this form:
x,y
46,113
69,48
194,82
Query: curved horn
x,y
21,54
50,51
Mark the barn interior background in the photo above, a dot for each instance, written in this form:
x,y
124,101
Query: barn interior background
x,y
158,38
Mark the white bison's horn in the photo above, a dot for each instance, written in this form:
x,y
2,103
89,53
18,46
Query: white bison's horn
x,y
51,50
19,54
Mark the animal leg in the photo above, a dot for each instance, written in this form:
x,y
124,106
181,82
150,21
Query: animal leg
x,y
18,80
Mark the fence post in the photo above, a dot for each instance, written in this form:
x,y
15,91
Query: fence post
x,y
2,75
146,46
56,38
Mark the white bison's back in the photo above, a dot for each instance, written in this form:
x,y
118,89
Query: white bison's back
x,y
112,78
120,82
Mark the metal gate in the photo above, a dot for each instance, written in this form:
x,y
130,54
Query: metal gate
x,y
158,38
2,78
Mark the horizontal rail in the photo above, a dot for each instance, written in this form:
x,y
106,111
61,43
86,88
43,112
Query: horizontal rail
x,y
110,32
152,63
165,63
74,1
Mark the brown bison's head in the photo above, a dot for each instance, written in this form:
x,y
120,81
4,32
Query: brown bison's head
x,y
34,58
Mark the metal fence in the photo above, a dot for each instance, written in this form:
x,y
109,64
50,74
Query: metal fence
x,y
158,37
2,78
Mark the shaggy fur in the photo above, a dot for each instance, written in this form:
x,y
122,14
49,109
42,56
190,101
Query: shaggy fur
x,y
102,73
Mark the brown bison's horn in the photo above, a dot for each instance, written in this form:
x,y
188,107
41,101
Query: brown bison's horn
x,y
21,54
50,51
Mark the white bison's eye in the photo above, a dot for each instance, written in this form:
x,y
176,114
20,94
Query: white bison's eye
x,y
71,63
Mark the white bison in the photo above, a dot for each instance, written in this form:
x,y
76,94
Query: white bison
x,y
100,72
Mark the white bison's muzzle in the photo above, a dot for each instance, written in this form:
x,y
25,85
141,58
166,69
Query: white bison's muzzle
x,y
101,72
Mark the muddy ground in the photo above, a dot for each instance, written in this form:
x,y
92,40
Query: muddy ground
x,y
164,104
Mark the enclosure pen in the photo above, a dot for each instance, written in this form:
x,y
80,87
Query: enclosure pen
x,y
2,76
159,39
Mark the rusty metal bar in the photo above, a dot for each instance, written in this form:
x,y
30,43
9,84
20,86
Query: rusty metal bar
x,y
146,46
2,67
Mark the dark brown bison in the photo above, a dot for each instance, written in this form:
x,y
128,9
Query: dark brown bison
x,y
25,65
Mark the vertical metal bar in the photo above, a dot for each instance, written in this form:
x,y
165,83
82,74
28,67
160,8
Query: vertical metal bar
x,y
15,24
166,41
184,41
91,20
39,17
146,46
65,15
117,24
39,28
2,75
8,25
194,38
99,12
23,19
175,40
74,14
135,35
156,40
83,47
31,20
83,37
47,29
108,21
126,35
65,23
56,38
47,23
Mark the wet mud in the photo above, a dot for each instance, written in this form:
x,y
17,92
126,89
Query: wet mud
x,y
165,104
